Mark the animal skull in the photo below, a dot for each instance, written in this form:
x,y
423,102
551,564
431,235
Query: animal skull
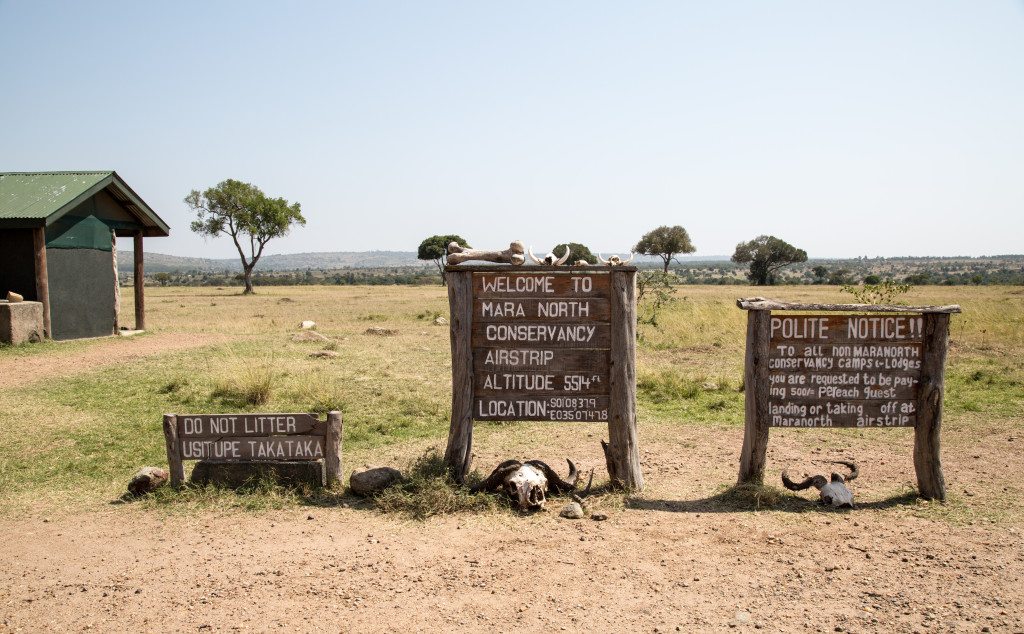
x,y
615,260
550,259
833,492
527,482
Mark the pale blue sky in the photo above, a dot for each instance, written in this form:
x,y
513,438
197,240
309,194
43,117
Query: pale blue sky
x,y
857,128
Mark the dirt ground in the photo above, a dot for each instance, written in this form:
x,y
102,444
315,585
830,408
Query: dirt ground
x,y
670,560
676,558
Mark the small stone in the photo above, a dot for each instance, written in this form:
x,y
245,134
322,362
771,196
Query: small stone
x,y
599,517
572,511
324,354
440,321
742,616
308,324
372,480
146,480
13,297
310,517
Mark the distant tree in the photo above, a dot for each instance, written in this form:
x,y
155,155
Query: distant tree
x,y
839,277
820,274
244,212
665,242
580,252
436,248
872,279
766,255
163,279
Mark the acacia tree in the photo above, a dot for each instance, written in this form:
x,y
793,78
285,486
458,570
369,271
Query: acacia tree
x,y
436,248
581,252
665,242
244,212
766,255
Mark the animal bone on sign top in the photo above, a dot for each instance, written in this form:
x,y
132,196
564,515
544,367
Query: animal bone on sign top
x,y
550,259
615,260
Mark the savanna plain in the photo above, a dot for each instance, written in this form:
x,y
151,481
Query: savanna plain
x,y
688,554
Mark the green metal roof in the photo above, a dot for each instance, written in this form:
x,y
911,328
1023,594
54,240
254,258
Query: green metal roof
x,y
36,199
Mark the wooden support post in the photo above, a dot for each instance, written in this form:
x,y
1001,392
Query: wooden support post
x,y
140,297
42,276
755,382
332,449
623,453
174,463
459,454
927,463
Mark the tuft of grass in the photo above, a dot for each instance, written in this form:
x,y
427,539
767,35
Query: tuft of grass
x,y
751,497
667,385
253,385
428,490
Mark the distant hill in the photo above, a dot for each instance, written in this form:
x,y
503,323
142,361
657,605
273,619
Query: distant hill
x,y
161,263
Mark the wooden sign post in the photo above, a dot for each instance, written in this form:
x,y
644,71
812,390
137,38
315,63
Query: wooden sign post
x,y
545,344
881,367
253,438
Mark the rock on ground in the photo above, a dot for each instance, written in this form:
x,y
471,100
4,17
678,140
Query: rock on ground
x,y
572,511
309,337
146,480
372,480
440,321
308,324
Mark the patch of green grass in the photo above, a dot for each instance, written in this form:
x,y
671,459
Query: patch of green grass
x,y
428,490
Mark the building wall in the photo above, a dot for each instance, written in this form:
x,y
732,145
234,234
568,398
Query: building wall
x,y
17,263
80,264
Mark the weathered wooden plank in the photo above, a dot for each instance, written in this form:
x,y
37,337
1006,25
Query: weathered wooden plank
x,y
927,461
755,380
140,286
544,335
174,463
846,357
540,383
622,454
554,283
835,329
530,406
547,359
782,392
458,453
583,309
217,425
332,449
253,448
761,303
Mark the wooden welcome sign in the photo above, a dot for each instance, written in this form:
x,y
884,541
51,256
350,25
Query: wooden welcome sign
x,y
545,343
253,438
880,367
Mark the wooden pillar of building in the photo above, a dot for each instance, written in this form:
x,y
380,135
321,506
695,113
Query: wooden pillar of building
x,y
140,297
42,276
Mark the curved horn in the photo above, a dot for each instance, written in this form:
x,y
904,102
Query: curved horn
x,y
631,256
601,260
565,257
854,472
815,481
534,257
497,477
554,481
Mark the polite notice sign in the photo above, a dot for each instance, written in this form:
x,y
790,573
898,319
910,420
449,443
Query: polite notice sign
x,y
540,346
844,370
253,438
